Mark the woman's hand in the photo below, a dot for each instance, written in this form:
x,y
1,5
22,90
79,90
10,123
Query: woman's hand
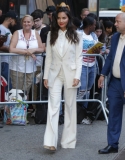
x,y
75,82
96,50
33,56
30,52
46,83
107,51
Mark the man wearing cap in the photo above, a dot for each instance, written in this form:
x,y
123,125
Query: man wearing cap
x,y
44,31
49,11
10,20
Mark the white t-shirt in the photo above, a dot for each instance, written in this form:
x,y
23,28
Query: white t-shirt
x,y
22,44
5,30
88,42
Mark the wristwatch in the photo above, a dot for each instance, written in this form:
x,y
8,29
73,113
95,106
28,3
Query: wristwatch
x,y
102,75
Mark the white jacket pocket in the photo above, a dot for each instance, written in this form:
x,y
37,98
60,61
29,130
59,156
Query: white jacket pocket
x,y
73,66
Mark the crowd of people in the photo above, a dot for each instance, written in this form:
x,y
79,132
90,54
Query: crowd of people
x,y
65,39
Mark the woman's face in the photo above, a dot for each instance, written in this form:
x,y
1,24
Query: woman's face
x,y
109,30
98,32
27,23
62,20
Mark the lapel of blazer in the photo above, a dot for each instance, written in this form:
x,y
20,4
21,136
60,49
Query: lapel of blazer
x,y
56,48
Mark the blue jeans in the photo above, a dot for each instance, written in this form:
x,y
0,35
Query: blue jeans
x,y
88,76
5,73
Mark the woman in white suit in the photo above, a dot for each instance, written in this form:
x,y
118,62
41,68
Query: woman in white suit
x,y
62,68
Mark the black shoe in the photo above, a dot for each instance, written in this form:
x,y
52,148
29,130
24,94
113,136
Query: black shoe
x,y
108,149
91,115
1,126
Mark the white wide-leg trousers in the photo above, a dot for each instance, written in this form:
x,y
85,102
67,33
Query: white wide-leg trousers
x,y
69,131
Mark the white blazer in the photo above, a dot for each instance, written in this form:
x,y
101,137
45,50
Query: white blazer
x,y
71,61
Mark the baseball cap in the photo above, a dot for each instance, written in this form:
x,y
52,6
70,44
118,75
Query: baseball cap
x,y
50,9
11,14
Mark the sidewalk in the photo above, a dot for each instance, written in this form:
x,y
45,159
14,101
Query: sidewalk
x,y
120,155
25,143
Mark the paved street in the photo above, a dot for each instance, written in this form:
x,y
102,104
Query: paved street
x,y
25,143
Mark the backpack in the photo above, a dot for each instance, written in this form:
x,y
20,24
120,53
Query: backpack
x,y
41,113
41,108
81,113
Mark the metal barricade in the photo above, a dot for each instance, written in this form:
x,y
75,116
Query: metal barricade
x,y
10,56
103,90
32,101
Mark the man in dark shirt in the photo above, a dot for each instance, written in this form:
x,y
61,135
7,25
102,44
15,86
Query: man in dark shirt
x,y
49,11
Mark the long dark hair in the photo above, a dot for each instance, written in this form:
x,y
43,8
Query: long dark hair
x,y
99,25
71,34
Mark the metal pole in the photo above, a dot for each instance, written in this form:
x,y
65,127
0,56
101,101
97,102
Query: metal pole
x,y
98,10
18,4
27,7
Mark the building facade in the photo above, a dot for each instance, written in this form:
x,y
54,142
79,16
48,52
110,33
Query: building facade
x,y
110,4
23,7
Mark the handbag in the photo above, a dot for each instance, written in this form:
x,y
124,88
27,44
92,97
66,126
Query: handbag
x,y
16,113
